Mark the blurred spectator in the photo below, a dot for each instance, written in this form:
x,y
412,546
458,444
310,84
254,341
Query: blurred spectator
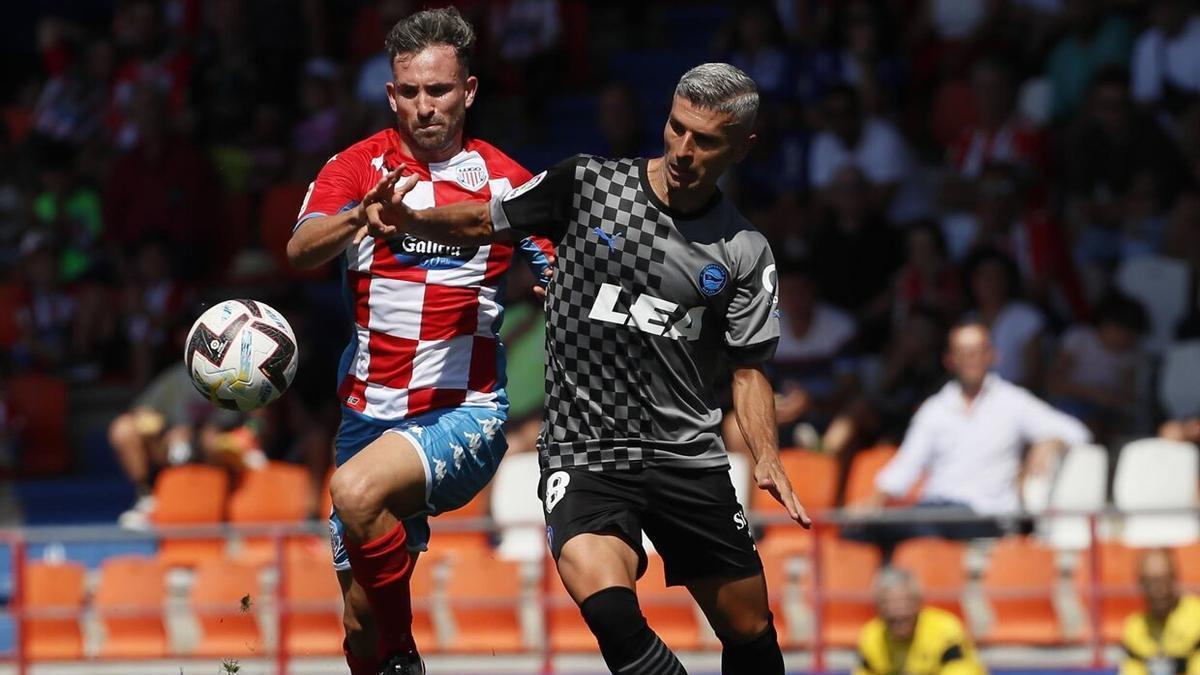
x,y
1165,638
1092,376
619,124
1006,219
1165,57
75,101
170,423
147,58
999,135
1015,326
1112,146
811,373
315,136
1094,38
774,173
858,55
154,299
51,333
526,36
163,187
875,148
855,256
68,210
928,279
908,638
11,424
967,441
757,45
14,204
376,71
227,78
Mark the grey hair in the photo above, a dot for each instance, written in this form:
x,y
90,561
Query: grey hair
x,y
723,88
895,578
431,27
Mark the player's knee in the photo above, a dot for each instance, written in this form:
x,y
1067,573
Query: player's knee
x,y
757,654
358,496
743,626
122,430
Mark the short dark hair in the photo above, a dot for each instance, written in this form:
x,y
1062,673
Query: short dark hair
x,y
1122,310
445,26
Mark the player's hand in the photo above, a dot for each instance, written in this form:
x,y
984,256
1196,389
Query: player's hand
x,y
539,289
384,208
769,476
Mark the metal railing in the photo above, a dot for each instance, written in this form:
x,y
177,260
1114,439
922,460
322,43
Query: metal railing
x,y
21,539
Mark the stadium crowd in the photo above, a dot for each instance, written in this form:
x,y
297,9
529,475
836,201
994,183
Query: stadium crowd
x,y
1027,164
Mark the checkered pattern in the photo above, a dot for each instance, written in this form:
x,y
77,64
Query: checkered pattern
x,y
426,317
594,417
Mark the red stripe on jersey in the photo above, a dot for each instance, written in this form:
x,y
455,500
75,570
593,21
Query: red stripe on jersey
x,y
499,259
353,393
424,400
361,285
449,311
544,245
391,360
483,364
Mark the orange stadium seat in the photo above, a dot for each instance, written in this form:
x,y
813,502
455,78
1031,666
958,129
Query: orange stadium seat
x,y
224,597
848,571
814,477
1019,584
277,493
193,494
314,601
568,632
424,586
448,535
860,481
1187,566
938,566
1119,594
484,596
129,602
40,402
775,569
53,598
670,611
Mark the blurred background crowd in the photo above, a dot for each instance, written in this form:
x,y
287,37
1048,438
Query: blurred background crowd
x,y
1034,164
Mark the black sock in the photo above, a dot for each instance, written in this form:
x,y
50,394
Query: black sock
x,y
628,645
757,656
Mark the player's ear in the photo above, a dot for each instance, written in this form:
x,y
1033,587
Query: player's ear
x,y
391,94
745,146
471,88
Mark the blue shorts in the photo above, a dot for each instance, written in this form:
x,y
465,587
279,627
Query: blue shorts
x,y
460,448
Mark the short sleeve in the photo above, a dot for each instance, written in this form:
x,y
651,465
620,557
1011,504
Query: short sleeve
x,y
752,319
339,186
541,206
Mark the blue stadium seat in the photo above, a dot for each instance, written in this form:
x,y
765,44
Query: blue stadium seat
x,y
8,633
92,553
73,501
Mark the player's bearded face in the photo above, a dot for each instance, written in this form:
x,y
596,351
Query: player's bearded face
x,y
699,146
430,95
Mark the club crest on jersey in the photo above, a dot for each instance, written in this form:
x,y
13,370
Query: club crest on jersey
x,y
713,279
471,176
416,252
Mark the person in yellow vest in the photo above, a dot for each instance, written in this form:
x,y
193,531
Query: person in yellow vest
x,y
908,638
1164,639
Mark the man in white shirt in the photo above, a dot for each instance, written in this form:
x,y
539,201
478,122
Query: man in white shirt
x,y
967,441
1166,59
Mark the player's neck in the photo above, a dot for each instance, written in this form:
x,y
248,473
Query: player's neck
x,y
683,200
431,156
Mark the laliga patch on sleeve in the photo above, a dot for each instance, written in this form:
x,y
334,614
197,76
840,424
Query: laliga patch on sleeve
x,y
526,187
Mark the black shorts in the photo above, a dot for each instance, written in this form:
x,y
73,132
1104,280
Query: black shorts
x,y
692,516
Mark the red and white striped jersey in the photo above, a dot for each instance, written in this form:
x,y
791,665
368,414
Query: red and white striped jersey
x,y
426,316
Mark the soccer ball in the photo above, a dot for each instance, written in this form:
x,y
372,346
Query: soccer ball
x,y
241,354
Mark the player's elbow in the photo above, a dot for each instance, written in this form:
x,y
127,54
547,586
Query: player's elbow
x,y
298,254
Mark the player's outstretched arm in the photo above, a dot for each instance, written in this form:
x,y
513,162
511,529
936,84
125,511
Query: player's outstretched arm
x,y
754,407
461,224
322,238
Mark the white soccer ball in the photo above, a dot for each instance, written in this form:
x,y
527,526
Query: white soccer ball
x,y
241,354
